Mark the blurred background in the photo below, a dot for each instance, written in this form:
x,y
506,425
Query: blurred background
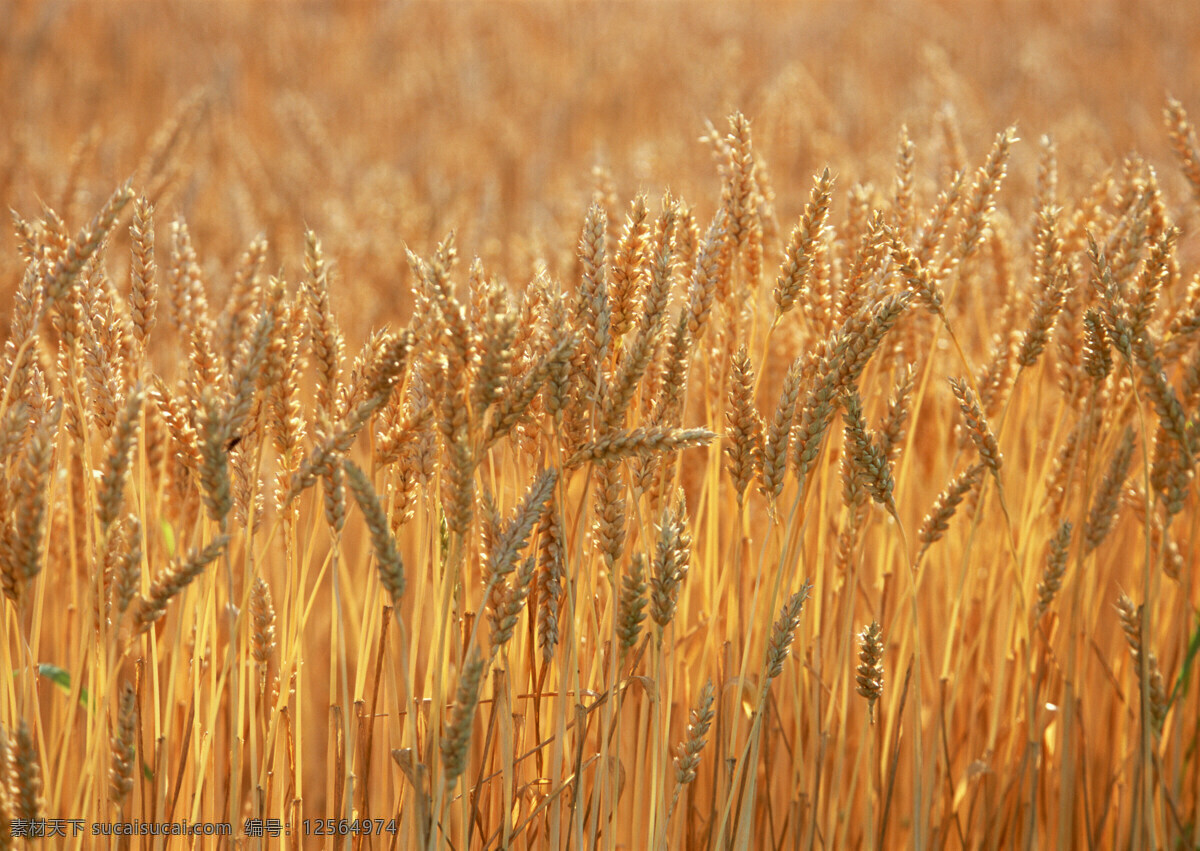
x,y
385,125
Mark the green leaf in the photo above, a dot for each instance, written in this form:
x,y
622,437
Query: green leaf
x,y
56,675
1186,671
168,534
60,677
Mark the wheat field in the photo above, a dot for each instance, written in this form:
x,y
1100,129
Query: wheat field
x,y
616,426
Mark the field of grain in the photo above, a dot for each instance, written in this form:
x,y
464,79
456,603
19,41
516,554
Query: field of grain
x,y
586,425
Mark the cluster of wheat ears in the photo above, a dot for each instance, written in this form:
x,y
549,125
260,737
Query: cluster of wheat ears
x,y
729,536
